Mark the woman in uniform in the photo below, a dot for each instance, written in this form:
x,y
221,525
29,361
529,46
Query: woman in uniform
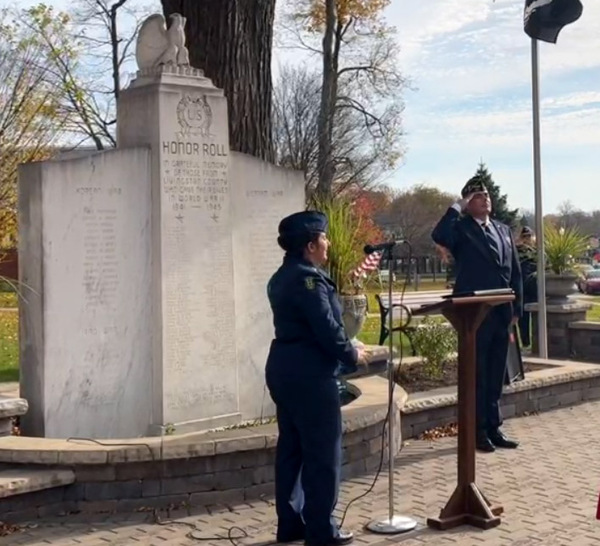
x,y
309,350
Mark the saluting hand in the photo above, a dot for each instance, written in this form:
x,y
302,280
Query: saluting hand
x,y
465,201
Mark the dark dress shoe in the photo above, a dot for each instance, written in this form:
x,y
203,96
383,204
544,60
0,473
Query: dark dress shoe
x,y
499,440
343,537
483,444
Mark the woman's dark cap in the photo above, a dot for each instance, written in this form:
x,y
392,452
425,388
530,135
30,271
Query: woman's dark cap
x,y
303,223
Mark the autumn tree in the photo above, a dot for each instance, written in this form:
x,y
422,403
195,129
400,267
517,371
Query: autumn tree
x,y
88,50
231,40
364,205
569,216
31,119
359,73
412,215
500,209
359,157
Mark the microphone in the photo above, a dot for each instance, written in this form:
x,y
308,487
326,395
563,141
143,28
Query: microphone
x,y
369,249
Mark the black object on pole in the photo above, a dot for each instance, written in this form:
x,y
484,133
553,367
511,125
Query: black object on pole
x,y
544,19
382,247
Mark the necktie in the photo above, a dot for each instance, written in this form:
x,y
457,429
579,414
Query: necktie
x,y
492,241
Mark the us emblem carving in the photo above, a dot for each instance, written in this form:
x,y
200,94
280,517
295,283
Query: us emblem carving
x,y
195,116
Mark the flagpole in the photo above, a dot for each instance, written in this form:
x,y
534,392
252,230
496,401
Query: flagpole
x,y
539,214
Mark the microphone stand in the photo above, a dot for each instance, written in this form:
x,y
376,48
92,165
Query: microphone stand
x,y
393,524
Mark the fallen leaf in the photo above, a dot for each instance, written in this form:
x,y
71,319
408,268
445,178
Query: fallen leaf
x,y
7,529
445,431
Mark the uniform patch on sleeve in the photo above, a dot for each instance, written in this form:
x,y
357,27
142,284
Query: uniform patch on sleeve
x,y
309,282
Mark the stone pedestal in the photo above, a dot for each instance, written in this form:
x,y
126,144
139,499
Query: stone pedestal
x,y
558,318
183,120
148,267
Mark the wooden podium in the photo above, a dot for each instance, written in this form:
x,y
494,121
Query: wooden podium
x,y
467,505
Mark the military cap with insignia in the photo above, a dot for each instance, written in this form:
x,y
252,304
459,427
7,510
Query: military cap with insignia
x,y
473,186
526,231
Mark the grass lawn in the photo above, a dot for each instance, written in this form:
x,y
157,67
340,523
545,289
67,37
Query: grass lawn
x,y
9,346
594,313
375,288
9,329
369,335
8,299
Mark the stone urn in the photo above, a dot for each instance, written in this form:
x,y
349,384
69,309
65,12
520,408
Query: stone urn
x,y
560,287
354,313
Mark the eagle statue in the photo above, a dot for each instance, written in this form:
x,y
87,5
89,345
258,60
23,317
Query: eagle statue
x,y
157,45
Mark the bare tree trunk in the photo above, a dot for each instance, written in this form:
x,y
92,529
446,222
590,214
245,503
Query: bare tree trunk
x,y
325,167
231,40
114,42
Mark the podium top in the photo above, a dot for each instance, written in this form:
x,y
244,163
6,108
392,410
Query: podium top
x,y
458,300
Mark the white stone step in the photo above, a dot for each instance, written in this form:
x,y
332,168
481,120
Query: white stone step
x,y
17,481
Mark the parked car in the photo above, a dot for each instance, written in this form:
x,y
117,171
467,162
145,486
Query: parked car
x,y
583,271
590,284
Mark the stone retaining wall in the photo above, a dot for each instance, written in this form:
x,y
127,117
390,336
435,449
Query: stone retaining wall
x,y
236,465
558,319
200,481
585,340
561,384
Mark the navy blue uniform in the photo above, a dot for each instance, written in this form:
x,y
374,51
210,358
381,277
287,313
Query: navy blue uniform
x,y
480,267
527,256
309,350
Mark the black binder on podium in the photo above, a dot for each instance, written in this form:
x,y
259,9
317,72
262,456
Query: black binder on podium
x,y
514,361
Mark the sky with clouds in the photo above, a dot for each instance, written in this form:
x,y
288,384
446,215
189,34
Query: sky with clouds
x,y
470,66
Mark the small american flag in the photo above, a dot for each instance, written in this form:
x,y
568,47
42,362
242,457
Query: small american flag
x,y
370,263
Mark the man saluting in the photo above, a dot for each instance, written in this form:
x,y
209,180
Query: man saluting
x,y
485,258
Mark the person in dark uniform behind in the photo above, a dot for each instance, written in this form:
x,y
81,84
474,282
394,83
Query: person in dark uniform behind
x,y
485,258
528,260
310,349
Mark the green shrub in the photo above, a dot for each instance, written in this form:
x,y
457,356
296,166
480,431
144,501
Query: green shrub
x,y
563,247
435,340
344,254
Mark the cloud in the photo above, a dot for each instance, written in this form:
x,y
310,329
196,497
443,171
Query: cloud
x,y
571,119
471,64
420,23
583,98
478,46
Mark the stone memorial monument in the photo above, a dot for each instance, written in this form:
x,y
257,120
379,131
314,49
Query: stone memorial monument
x,y
145,267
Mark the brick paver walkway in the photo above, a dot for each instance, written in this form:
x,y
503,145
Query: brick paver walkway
x,y
549,488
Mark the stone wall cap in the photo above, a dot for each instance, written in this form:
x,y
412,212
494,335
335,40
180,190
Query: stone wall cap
x,y
571,307
18,481
12,407
557,372
584,325
367,410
